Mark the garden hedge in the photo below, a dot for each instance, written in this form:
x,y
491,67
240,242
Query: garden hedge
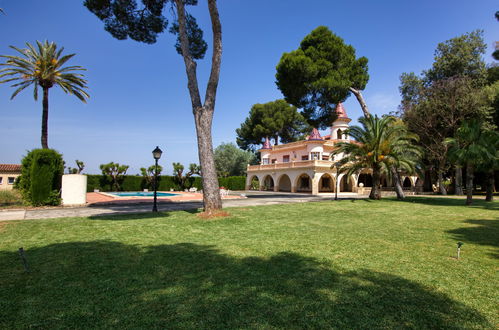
x,y
166,182
41,177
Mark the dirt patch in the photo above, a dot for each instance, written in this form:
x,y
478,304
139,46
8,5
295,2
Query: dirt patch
x,y
213,215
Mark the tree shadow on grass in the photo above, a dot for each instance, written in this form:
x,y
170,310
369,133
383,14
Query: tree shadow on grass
x,y
449,201
485,232
104,284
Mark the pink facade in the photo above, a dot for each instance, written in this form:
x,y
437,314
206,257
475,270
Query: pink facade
x,y
306,166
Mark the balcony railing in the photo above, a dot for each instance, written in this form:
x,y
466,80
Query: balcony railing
x,y
295,164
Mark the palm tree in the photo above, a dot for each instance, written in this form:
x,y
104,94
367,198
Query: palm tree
x,y
43,67
380,145
471,147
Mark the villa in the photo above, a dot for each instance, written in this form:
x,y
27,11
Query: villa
x,y
8,175
306,166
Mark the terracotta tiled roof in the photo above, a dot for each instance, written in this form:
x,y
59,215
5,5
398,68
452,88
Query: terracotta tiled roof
x,y
340,111
315,135
266,144
14,168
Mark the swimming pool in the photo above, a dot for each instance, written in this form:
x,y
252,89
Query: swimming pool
x,y
141,194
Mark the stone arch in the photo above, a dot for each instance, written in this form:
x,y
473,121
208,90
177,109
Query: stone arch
x,y
366,179
346,185
268,183
326,183
254,182
407,182
304,183
284,183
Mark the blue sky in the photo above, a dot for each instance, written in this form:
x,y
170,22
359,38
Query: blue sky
x,y
139,97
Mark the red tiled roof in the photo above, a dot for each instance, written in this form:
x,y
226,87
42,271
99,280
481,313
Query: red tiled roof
x,y
340,111
266,144
15,168
315,135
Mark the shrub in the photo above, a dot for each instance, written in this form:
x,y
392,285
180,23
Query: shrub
x,y
165,183
41,176
10,197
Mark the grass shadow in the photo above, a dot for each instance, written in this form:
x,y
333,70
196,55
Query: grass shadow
x,y
129,216
104,284
485,232
449,201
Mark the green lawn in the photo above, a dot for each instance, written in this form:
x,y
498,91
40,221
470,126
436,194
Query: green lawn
x,y
347,264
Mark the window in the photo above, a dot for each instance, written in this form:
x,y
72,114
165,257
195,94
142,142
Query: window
x,y
11,180
339,134
265,161
304,157
274,161
315,155
1,179
325,157
285,159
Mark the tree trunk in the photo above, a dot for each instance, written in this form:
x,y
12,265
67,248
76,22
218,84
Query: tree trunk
x,y
427,183
375,192
441,187
398,186
45,118
490,185
469,184
362,103
459,181
203,114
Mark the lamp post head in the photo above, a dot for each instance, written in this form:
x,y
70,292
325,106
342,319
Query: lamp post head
x,y
156,153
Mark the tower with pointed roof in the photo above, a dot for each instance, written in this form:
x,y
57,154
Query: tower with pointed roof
x,y
340,124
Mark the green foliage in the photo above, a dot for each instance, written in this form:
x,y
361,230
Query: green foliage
x,y
10,198
277,120
43,67
80,166
41,175
114,172
460,56
319,75
165,183
143,21
232,161
473,145
185,181
233,182
381,143
149,173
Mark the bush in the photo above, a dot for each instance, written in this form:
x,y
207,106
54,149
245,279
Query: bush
x,y
41,176
165,183
10,197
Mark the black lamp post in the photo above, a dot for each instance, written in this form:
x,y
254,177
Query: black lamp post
x,y
156,153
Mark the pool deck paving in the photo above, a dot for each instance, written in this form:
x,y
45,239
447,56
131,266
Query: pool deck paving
x,y
101,204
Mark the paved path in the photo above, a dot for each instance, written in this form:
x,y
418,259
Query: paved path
x,y
253,198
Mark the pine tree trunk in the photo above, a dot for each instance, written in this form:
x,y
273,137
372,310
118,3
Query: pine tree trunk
x,y
203,114
375,192
469,184
490,185
361,101
45,118
459,181
398,186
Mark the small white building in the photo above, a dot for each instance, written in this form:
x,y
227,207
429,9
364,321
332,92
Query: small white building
x,y
8,175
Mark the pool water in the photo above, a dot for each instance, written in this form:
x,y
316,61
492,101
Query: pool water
x,y
141,194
